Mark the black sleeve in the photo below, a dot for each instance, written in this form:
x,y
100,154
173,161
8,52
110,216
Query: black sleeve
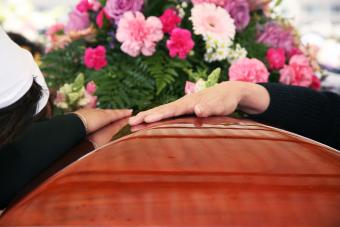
x,y
313,114
39,146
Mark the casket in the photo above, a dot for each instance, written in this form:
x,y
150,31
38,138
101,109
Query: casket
x,y
191,172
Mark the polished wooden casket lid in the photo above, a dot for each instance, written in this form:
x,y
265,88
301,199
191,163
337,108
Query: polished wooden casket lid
x,y
192,172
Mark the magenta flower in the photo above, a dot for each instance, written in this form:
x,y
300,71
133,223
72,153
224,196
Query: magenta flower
x,y
248,70
298,72
83,6
116,8
180,43
139,35
239,10
276,58
77,21
170,20
274,35
95,58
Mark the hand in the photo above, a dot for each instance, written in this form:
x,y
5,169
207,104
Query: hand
x,y
95,119
219,100
105,135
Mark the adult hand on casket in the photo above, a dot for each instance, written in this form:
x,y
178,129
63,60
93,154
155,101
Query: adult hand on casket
x,y
95,119
219,100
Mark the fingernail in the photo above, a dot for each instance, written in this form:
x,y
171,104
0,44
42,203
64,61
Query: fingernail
x,y
198,109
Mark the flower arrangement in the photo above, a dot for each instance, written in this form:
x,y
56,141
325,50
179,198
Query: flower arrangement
x,y
139,54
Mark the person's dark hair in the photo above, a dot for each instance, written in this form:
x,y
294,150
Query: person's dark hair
x,y
16,117
34,48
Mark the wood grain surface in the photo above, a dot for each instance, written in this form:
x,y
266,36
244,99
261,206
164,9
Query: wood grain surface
x,y
192,172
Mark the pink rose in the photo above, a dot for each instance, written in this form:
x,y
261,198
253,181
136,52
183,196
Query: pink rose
x,y
298,72
249,70
276,58
180,43
170,20
115,9
95,58
91,87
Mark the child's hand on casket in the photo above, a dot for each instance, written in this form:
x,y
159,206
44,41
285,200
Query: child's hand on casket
x,y
219,100
95,119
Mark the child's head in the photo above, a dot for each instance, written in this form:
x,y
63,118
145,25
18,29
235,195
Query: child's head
x,y
23,90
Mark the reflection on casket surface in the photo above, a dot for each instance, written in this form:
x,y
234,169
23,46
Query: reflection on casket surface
x,y
206,172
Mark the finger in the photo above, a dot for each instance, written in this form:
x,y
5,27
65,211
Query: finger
x,y
138,119
173,109
115,115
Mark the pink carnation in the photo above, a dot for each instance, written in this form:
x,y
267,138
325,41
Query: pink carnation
x,y
170,20
180,43
276,58
91,87
249,70
95,58
83,6
139,35
298,72
216,2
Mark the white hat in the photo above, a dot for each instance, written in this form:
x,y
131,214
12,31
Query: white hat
x,y
17,71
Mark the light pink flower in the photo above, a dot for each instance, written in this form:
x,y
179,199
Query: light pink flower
x,y
96,5
77,21
139,35
211,20
298,72
216,2
190,87
91,100
249,70
276,58
180,43
91,87
95,58
53,31
170,20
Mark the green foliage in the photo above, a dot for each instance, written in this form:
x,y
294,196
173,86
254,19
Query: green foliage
x,y
63,65
165,70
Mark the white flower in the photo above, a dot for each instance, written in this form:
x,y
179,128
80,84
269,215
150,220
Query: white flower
x,y
216,49
236,54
